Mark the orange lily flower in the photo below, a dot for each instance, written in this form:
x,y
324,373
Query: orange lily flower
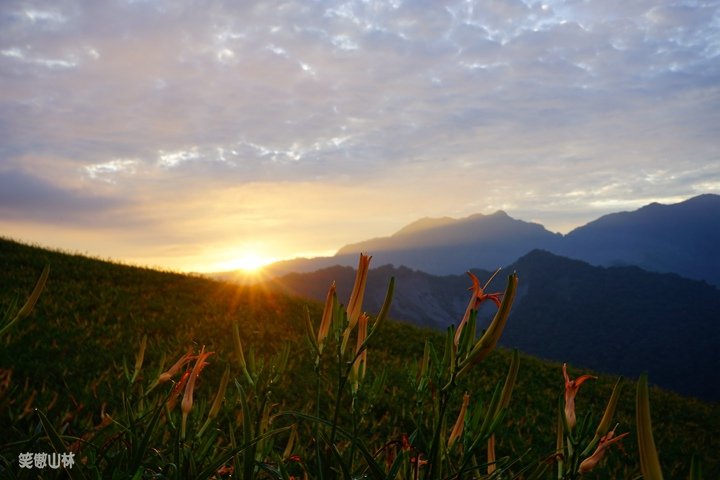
x,y
326,318
354,307
360,365
491,454
589,463
187,401
459,423
177,389
172,371
571,389
478,296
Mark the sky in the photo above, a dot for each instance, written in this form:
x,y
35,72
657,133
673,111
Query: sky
x,y
199,136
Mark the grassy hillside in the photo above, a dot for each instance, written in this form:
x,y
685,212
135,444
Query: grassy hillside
x,y
620,320
72,358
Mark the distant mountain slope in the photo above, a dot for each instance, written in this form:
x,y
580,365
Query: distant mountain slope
x,y
622,320
445,246
683,238
420,298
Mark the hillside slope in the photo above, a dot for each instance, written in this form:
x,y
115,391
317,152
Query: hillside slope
x,y
93,315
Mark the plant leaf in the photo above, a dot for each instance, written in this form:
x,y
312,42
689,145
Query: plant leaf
x,y
649,461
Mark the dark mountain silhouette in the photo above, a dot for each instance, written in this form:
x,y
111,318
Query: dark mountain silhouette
x,y
683,238
621,320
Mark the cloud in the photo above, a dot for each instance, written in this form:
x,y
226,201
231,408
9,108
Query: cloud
x,y
474,101
27,198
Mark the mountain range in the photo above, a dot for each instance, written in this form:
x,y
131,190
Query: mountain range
x,y
682,238
629,292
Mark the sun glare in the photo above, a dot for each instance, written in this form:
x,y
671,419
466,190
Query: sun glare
x,y
250,262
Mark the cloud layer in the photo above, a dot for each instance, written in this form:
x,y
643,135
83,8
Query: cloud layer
x,y
197,126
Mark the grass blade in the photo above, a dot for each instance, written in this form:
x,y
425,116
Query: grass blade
x,y
58,445
31,301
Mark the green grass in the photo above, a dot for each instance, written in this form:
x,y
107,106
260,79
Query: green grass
x,y
69,360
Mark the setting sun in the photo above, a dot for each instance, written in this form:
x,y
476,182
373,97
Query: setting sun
x,y
246,259
249,262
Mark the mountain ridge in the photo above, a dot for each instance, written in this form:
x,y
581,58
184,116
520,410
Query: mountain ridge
x,y
681,238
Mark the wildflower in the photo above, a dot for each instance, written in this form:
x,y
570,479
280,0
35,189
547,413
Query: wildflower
x,y
177,389
571,389
608,439
326,318
491,454
172,371
187,401
459,423
406,443
359,367
418,462
478,296
354,307
487,342
225,470
105,418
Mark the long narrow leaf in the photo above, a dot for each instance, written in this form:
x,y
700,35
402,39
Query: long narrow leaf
x,y
695,468
341,461
221,460
560,439
31,301
249,457
510,379
58,445
145,441
649,461
381,316
310,332
374,468
606,420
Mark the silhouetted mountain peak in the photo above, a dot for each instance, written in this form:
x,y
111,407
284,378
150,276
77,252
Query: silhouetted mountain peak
x,y
683,238
446,245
